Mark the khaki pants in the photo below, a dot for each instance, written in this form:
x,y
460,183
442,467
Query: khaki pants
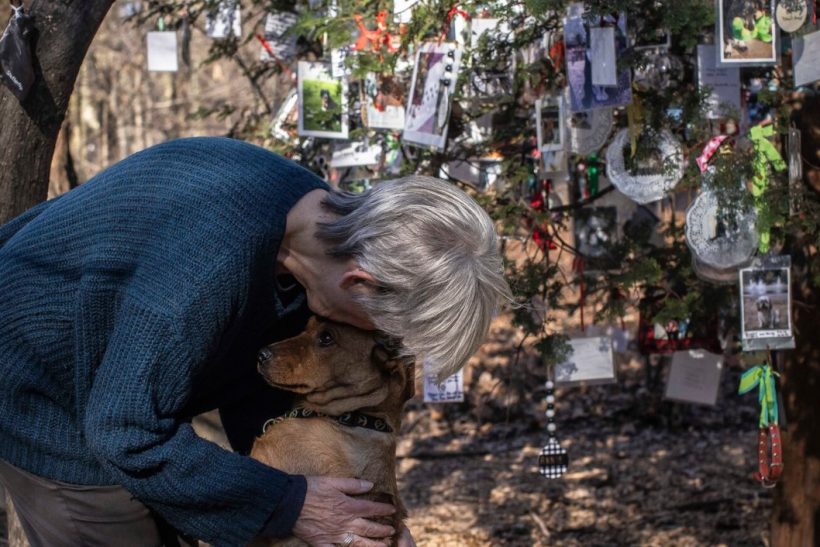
x,y
58,514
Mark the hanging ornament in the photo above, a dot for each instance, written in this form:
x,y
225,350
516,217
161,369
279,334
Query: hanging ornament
x,y
768,438
650,178
791,14
722,239
554,460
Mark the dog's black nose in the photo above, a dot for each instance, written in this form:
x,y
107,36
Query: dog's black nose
x,y
263,355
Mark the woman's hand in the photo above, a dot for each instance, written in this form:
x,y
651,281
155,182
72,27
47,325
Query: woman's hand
x,y
331,517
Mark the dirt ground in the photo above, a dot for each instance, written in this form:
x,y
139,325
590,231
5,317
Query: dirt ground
x,y
643,471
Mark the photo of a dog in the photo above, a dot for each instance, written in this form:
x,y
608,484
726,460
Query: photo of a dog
x,y
351,387
765,304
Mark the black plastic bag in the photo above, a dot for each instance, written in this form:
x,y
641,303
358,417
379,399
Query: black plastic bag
x,y
15,54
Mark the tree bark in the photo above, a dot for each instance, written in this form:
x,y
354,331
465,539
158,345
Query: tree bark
x,y
796,515
29,132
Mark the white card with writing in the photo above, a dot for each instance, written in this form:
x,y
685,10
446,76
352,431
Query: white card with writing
x,y
337,61
224,20
602,56
280,41
162,51
806,58
591,362
451,390
354,153
724,83
694,377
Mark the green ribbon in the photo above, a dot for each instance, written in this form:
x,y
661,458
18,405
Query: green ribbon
x,y
765,153
762,377
592,174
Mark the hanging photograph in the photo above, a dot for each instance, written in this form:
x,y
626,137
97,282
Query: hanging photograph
x,y
431,93
224,21
162,51
591,362
549,120
355,153
582,62
765,304
746,32
587,131
490,75
595,229
385,101
322,102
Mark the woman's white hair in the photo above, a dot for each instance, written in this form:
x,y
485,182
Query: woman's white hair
x,y
434,252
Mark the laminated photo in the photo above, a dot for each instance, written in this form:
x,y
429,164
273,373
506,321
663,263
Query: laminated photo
x,y
694,377
385,102
765,305
353,154
595,229
281,42
451,390
746,33
549,119
431,92
284,125
322,102
584,67
224,21
162,51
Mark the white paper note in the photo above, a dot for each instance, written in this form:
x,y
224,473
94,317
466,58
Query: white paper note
x,y
450,390
806,58
694,377
602,56
162,51
591,362
723,81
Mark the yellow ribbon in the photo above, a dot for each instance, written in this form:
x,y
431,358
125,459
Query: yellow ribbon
x,y
765,153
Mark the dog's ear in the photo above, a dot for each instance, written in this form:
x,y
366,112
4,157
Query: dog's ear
x,y
386,353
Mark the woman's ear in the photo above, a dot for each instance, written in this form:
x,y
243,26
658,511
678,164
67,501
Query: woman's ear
x,y
357,279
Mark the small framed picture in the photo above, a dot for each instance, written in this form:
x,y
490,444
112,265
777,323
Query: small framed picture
x,y
746,32
765,304
322,102
549,119
385,101
591,362
431,94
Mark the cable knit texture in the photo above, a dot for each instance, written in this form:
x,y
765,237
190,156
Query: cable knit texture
x,y
136,301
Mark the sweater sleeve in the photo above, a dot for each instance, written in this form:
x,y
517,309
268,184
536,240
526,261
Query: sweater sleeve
x,y
131,426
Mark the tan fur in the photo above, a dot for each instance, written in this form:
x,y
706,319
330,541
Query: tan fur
x,y
353,373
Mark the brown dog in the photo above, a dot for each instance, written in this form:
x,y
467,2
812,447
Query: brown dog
x,y
351,389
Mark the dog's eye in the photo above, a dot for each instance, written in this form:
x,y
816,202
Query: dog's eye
x,y
325,339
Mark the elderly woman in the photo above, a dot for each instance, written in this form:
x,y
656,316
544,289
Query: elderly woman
x,y
140,299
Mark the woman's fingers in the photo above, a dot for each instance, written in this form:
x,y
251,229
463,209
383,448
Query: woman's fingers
x,y
370,529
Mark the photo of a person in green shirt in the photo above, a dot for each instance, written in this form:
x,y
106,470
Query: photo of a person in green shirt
x,y
747,31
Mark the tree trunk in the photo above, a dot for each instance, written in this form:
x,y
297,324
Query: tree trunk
x,y
796,516
29,131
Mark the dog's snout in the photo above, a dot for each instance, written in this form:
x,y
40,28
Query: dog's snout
x,y
264,355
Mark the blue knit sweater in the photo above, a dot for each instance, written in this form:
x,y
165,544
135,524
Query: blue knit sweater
x,y
136,301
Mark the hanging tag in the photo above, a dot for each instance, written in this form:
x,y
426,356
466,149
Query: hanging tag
x,y
791,14
554,460
162,51
765,304
723,83
322,102
385,101
451,390
591,362
806,58
224,21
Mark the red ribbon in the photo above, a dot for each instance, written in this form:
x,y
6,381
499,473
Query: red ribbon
x,y
373,40
455,10
709,150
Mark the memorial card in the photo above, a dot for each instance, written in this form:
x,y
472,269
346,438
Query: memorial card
x,y
765,304
451,390
723,83
385,102
591,362
806,58
162,51
694,377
